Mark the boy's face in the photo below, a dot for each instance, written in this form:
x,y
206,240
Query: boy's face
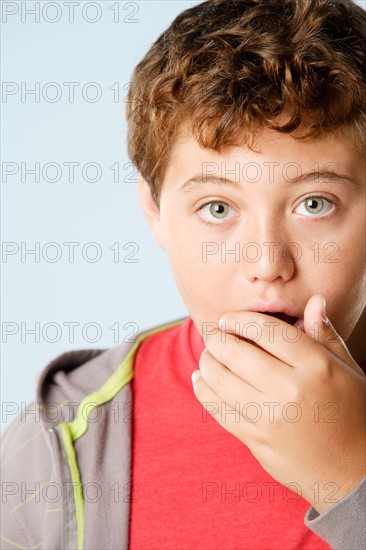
x,y
229,244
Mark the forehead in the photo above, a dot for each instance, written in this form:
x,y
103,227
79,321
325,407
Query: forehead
x,y
333,153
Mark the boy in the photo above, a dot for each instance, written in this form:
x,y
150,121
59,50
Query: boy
x,y
247,125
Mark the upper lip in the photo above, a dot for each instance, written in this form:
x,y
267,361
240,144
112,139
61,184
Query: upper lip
x,y
275,306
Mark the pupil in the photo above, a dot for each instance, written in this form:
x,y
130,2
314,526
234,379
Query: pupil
x,y
314,204
218,209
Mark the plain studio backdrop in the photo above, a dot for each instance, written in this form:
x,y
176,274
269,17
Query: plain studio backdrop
x,y
80,267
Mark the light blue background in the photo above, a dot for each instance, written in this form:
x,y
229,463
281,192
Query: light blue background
x,y
131,295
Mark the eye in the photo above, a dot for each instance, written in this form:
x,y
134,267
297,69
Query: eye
x,y
316,205
215,211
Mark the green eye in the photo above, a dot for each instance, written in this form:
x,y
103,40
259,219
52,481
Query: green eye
x,y
316,206
219,210
216,212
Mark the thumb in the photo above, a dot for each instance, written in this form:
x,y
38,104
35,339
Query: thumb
x,y
319,327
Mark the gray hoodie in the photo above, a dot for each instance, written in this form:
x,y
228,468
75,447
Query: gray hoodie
x,y
66,461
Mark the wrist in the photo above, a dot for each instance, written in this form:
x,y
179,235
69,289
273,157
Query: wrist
x,y
330,493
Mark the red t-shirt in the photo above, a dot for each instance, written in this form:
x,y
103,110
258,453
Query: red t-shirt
x,y
195,486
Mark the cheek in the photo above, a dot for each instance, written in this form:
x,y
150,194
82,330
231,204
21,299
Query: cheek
x,y
350,263
199,272
197,265
338,262
344,287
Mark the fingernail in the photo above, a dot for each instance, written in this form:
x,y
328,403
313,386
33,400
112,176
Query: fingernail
x,y
195,376
222,324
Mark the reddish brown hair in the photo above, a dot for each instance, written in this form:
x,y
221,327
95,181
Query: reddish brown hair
x,y
230,67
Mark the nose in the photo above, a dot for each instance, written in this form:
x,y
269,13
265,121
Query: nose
x,y
270,256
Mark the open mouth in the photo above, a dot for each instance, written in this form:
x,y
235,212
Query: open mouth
x,y
282,316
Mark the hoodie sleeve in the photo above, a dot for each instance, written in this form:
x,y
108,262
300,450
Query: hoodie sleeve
x,y
343,525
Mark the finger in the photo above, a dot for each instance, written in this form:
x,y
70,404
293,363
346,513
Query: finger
x,y
248,362
285,342
231,420
320,328
234,391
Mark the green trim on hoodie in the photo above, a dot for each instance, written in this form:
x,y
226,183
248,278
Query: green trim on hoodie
x,y
75,476
73,430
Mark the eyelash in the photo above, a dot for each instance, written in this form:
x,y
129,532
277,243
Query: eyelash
x,y
312,218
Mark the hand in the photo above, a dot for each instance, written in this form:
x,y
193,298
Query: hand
x,y
299,399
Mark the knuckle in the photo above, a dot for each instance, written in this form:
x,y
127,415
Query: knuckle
x,y
322,369
203,362
230,351
294,392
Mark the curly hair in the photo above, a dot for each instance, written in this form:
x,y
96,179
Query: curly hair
x,y
230,67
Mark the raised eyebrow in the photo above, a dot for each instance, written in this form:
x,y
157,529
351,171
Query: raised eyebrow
x,y
324,174
199,179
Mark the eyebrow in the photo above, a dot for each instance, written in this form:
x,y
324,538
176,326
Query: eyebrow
x,y
199,179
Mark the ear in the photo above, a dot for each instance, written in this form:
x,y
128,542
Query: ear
x,y
151,211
